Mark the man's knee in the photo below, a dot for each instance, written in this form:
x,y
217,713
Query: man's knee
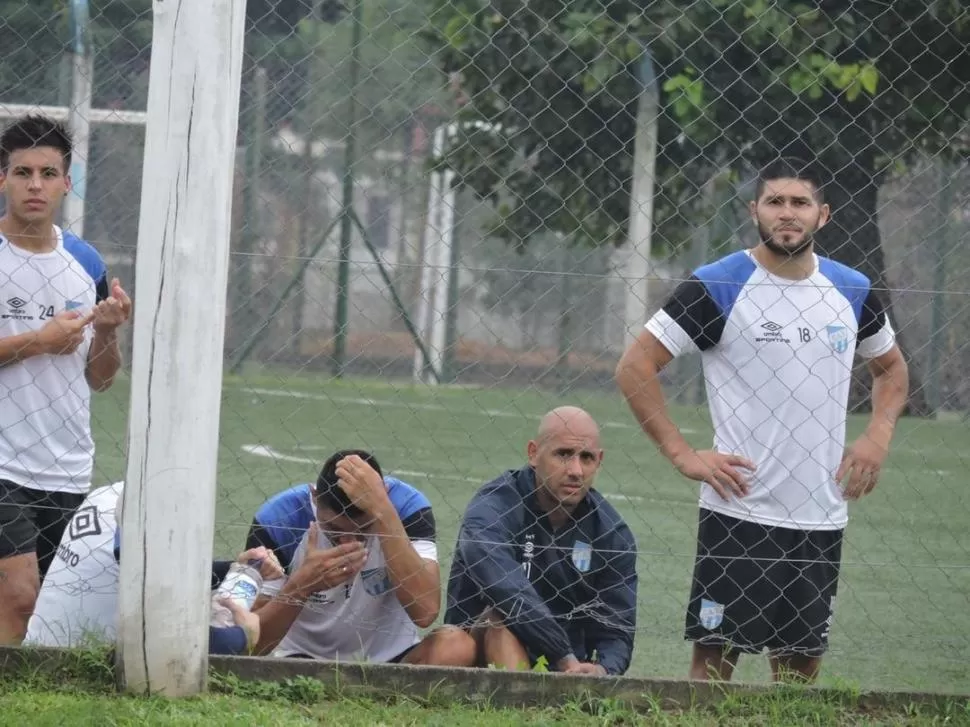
x,y
19,586
489,620
498,645
446,646
490,628
458,644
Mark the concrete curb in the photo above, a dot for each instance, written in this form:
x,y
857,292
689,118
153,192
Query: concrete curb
x,y
486,686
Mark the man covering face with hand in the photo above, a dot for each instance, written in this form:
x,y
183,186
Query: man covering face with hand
x,y
362,564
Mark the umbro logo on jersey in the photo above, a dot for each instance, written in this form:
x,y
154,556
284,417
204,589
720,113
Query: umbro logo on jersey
x,y
318,599
16,310
85,522
771,332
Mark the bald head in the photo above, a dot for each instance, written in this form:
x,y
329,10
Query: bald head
x,y
566,455
569,420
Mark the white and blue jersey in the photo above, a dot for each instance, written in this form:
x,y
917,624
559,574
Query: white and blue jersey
x,y
777,357
357,621
78,602
79,598
45,419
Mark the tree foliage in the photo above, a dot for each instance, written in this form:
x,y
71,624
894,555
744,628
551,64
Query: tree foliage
x,y
742,80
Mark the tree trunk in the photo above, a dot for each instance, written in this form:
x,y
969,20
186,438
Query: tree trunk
x,y
852,237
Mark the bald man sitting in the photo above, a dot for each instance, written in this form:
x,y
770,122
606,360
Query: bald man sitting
x,y
544,566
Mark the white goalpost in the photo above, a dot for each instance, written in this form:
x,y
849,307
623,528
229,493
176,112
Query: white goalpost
x,y
168,517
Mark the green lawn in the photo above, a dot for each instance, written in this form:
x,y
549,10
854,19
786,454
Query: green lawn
x,y
38,702
905,587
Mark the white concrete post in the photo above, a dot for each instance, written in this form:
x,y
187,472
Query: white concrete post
x,y
179,321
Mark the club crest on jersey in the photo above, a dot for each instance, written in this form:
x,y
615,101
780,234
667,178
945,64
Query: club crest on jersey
x,y
711,614
582,556
375,581
838,338
72,304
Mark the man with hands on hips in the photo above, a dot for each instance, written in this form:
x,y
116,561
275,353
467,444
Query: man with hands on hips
x,y
360,552
778,328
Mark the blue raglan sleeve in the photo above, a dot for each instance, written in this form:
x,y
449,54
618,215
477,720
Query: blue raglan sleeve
x,y
91,261
227,640
486,544
281,521
613,625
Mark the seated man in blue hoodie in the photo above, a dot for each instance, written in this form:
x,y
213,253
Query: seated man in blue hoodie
x,y
544,566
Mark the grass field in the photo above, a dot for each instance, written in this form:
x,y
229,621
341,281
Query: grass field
x,y
87,697
905,591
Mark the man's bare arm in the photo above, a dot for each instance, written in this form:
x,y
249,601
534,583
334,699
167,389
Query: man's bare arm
x,y
637,376
61,335
14,349
416,581
276,616
104,360
890,390
862,462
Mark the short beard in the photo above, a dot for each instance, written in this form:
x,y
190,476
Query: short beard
x,y
804,246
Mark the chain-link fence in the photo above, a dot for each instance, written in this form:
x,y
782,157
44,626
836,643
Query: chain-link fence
x,y
431,248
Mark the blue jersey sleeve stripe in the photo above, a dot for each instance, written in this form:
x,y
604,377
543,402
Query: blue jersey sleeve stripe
x,y
406,499
286,517
725,278
85,254
853,285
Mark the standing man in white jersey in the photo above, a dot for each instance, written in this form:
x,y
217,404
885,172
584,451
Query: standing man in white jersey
x,y
58,322
777,327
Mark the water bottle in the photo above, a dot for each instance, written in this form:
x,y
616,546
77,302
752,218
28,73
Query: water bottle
x,y
241,584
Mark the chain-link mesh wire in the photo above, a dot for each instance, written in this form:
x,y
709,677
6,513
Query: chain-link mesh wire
x,y
354,264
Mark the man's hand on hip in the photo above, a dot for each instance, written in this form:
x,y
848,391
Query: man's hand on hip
x,y
717,469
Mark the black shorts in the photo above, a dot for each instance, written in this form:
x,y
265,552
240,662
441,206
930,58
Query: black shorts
x,y
33,521
760,587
